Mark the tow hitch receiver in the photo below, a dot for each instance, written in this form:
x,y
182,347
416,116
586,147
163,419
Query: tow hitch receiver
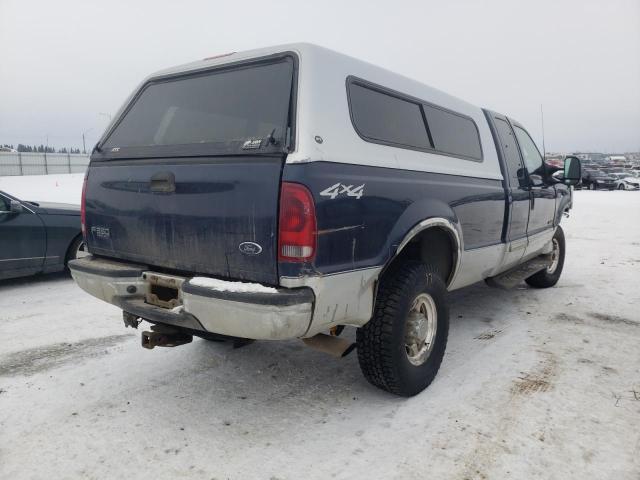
x,y
164,336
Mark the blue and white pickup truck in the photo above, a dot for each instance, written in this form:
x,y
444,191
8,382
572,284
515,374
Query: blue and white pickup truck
x,y
291,191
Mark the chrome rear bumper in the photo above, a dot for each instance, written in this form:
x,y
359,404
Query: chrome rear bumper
x,y
261,316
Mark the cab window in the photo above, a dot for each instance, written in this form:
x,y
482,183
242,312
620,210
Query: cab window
x,y
517,175
530,153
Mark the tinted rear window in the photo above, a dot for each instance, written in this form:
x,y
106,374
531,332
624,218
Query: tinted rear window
x,y
453,133
386,118
402,121
220,106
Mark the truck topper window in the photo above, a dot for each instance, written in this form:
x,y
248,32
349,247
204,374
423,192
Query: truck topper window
x,y
453,133
247,105
383,116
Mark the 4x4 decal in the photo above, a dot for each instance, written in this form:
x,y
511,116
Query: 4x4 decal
x,y
339,188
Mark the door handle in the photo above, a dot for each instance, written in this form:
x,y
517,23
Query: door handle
x,y
163,182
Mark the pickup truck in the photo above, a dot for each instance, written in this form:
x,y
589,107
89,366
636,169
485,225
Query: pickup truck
x,y
288,192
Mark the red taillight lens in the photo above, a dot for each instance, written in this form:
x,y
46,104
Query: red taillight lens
x,y
83,208
297,230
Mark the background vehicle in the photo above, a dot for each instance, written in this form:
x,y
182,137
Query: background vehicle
x,y
291,191
584,178
597,180
37,237
626,181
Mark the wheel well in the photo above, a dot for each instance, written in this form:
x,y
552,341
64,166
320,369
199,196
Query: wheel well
x,y
434,246
71,245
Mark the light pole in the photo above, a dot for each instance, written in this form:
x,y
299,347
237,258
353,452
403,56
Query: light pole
x,y
84,147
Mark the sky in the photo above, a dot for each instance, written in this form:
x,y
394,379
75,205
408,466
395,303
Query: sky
x,y
67,65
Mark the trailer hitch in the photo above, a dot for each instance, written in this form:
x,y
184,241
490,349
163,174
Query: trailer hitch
x,y
164,336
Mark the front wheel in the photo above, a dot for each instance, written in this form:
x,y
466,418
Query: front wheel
x,y
549,276
401,348
620,187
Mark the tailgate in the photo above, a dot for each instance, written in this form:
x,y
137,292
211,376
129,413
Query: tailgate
x,y
196,217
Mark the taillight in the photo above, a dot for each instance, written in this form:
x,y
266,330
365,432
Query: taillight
x,y
297,227
83,208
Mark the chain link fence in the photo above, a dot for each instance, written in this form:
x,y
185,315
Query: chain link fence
x,y
22,163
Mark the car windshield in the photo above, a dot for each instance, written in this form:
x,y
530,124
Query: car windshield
x,y
233,105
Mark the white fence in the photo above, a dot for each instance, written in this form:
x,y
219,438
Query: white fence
x,y
23,163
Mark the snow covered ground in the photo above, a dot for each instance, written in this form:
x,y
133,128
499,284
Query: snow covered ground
x,y
535,384
63,188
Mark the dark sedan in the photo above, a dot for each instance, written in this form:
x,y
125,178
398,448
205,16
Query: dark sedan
x,y
37,237
598,180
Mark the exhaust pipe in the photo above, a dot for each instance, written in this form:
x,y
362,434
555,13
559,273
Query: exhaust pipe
x,y
163,336
335,346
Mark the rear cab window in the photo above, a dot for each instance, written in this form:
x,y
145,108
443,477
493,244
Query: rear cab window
x,y
227,110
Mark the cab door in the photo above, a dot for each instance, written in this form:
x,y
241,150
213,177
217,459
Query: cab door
x,y
518,192
543,195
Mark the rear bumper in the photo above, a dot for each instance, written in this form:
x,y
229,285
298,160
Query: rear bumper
x,y
262,316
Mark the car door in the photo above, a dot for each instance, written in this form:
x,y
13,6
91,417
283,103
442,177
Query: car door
x,y
518,194
22,240
543,195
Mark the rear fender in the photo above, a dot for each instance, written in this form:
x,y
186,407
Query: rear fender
x,y
420,216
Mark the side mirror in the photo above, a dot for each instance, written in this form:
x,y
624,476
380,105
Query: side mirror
x,y
572,171
16,207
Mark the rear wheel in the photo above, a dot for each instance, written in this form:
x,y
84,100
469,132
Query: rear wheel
x,y
401,348
77,249
549,276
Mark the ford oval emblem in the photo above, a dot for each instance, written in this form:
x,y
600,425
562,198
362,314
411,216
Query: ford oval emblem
x,y
250,248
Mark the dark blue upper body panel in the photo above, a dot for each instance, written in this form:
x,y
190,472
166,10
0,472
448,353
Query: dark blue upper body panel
x,y
364,232
193,214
